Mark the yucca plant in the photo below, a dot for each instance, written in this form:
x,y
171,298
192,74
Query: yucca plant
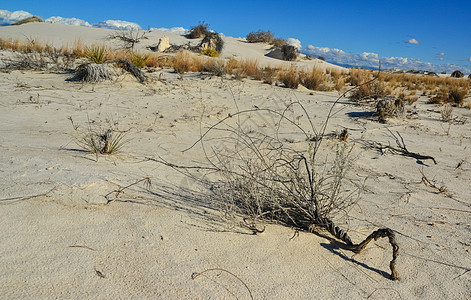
x,y
96,54
138,59
101,143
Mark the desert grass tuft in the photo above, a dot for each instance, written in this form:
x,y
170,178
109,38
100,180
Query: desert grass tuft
x,y
96,54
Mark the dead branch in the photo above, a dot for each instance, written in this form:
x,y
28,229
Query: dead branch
x,y
401,148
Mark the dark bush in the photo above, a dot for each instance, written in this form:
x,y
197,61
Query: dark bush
x,y
260,37
456,96
321,58
457,74
199,31
212,40
289,52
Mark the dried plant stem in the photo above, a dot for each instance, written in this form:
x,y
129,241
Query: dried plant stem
x,y
195,275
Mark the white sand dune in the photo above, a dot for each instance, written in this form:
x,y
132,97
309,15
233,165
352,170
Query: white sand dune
x,y
59,239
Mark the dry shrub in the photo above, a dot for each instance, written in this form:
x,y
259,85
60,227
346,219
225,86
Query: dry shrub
x,y
260,37
139,59
230,65
269,74
457,74
198,31
453,95
289,53
182,62
94,73
312,80
456,96
289,77
249,67
253,173
278,43
389,107
153,60
215,67
446,112
357,77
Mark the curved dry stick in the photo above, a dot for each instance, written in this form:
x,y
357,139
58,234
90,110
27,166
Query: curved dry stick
x,y
357,248
194,275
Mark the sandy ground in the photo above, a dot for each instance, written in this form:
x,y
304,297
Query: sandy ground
x,y
60,240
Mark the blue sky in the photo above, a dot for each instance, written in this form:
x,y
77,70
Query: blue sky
x,y
432,35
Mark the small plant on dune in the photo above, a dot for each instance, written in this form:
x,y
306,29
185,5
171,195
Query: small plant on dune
x,y
456,96
260,37
99,141
198,31
457,74
289,77
256,174
446,112
128,38
289,53
105,142
230,65
248,67
210,52
214,67
96,54
182,62
278,43
269,74
139,60
312,80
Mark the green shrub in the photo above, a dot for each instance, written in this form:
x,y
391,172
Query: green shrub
x,y
96,54
140,60
209,52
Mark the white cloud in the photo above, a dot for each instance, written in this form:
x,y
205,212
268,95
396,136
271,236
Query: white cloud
x,y
469,59
371,60
179,30
118,25
440,56
294,42
69,21
7,17
413,41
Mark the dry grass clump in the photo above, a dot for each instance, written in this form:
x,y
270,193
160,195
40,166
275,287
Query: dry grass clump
x,y
454,95
313,80
269,74
248,68
290,77
140,60
357,77
182,62
231,65
215,67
